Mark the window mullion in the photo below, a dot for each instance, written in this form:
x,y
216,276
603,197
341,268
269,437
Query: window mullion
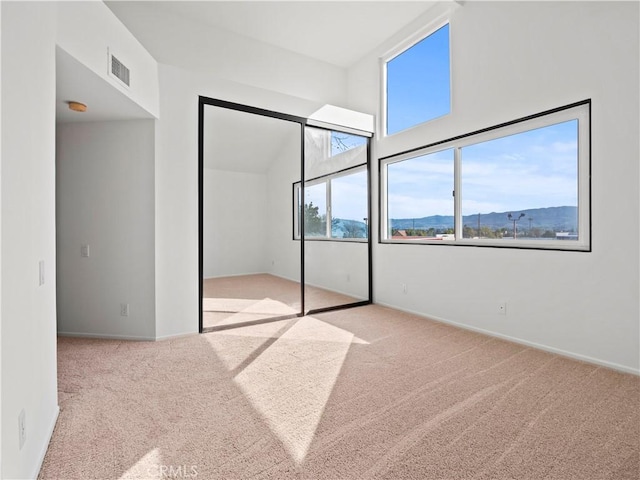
x,y
298,212
457,193
384,205
329,209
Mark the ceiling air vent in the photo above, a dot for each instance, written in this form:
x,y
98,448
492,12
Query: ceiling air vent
x,y
118,70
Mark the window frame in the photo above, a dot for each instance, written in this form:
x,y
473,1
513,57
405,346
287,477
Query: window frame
x,y
327,179
398,50
580,111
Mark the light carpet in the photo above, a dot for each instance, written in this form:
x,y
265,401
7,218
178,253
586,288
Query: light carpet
x,y
364,393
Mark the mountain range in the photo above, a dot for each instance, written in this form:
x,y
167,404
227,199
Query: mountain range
x,y
555,219
551,218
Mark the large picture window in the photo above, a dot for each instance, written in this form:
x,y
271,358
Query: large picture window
x,y
418,82
523,184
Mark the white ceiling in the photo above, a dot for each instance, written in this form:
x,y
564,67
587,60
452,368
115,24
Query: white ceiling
x,y
337,32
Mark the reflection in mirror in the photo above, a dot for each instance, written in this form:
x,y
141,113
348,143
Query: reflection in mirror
x,y
251,263
335,209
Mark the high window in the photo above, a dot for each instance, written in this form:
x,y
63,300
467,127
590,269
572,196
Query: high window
x,y
417,81
523,184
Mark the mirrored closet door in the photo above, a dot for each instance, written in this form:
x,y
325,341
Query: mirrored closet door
x,y
335,205
250,263
283,218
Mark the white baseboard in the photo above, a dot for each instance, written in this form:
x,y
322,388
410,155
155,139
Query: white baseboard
x,y
296,280
125,337
235,275
357,297
106,336
254,273
176,336
546,348
45,446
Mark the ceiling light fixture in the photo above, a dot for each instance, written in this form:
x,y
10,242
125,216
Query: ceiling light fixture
x,y
77,106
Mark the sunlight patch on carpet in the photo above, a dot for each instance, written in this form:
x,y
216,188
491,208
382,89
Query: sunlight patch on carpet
x,y
235,346
290,382
227,311
235,305
148,467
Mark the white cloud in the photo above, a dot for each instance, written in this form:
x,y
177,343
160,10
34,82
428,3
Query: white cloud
x,y
402,206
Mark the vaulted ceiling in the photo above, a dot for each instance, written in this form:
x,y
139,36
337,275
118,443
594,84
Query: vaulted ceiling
x,y
336,32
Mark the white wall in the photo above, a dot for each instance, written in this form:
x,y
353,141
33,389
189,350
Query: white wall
x,y
235,223
87,29
337,266
283,252
28,233
511,59
0,240
105,199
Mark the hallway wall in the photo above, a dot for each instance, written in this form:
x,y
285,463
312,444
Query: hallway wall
x,y
105,199
28,347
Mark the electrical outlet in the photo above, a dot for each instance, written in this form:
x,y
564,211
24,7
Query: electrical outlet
x,y
41,273
348,277
502,308
22,428
124,309
404,288
84,251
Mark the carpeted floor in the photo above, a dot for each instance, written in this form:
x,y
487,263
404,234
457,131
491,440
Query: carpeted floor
x,y
247,298
365,393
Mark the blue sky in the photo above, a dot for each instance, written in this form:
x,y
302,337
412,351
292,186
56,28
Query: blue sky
x,y
349,196
422,186
418,83
535,169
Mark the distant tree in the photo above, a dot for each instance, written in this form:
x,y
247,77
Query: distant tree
x,y
341,142
468,232
486,232
549,234
417,232
314,223
338,143
535,232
